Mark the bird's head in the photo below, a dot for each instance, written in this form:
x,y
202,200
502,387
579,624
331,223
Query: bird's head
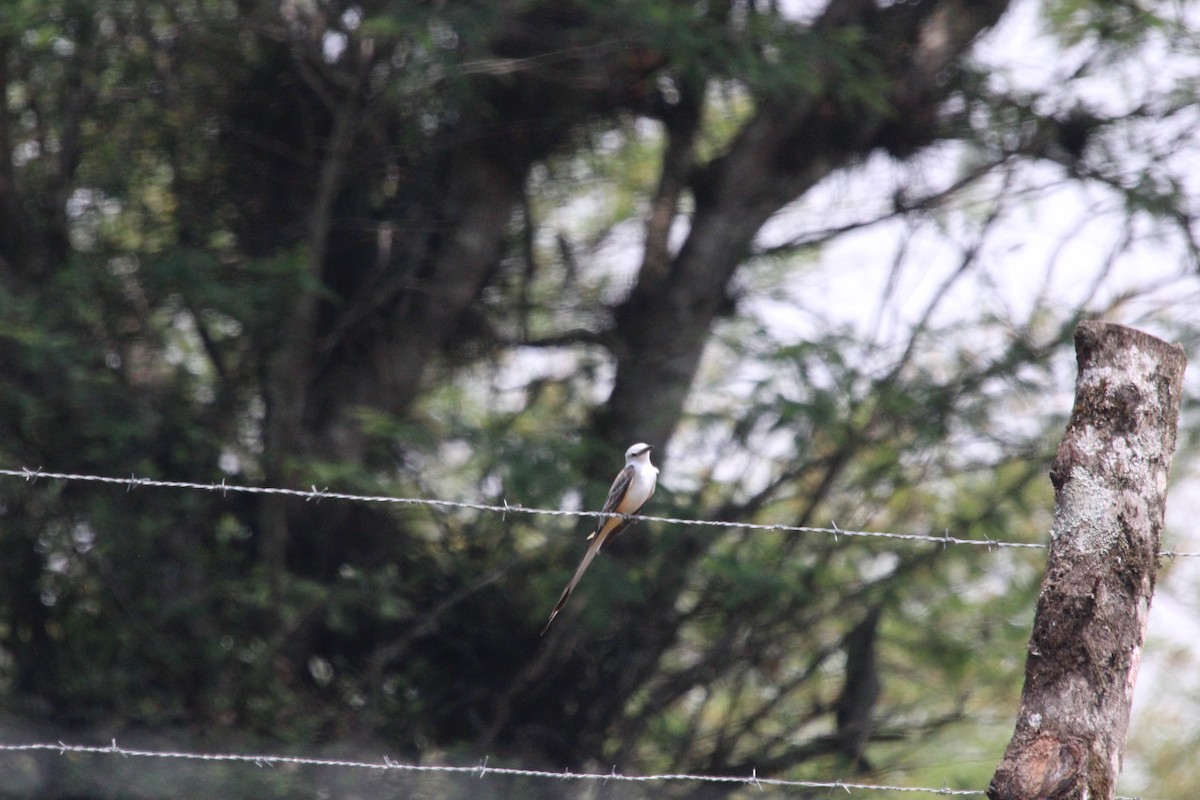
x,y
638,451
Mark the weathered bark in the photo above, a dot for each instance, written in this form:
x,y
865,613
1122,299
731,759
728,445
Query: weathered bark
x,y
1110,479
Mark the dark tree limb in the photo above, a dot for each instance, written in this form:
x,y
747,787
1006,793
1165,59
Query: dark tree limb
x,y
1110,479
860,691
288,368
790,144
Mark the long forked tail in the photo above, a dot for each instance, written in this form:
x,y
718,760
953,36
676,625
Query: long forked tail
x,y
583,565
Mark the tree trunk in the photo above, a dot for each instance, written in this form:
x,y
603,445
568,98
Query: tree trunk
x,y
1110,479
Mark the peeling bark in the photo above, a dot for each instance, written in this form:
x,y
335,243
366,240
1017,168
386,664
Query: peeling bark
x,y
1110,480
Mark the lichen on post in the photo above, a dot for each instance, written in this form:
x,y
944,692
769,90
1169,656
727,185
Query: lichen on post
x,y
1110,479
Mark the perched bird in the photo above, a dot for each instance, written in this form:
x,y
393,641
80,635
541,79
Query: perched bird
x,y
632,488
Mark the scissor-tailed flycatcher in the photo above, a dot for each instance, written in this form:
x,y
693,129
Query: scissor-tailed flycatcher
x,y
630,491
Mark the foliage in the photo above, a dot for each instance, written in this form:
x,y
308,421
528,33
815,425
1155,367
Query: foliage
x,y
470,251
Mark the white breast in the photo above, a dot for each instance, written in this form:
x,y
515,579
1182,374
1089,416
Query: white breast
x,y
642,485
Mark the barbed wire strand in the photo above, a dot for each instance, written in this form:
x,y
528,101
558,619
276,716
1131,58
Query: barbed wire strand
x,y
478,771
315,494
133,482
483,769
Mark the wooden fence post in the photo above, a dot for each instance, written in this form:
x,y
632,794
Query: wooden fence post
x,y
1110,483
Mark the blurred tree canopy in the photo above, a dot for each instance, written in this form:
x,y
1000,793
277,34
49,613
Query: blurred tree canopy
x,y
473,250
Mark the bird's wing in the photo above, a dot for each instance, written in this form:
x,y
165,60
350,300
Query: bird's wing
x,y
624,524
612,503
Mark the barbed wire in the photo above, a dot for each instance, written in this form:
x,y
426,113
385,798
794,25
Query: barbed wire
x,y
482,769
315,494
